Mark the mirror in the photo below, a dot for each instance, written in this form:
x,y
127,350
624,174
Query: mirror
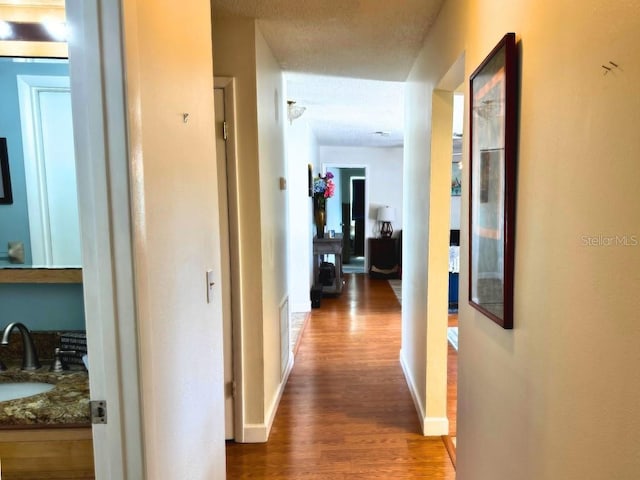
x,y
36,122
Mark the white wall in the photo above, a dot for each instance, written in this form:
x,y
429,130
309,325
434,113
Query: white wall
x,y
536,402
301,152
240,52
273,229
383,184
176,236
235,56
456,211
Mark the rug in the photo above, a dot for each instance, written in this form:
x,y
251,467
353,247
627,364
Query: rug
x,y
452,332
396,286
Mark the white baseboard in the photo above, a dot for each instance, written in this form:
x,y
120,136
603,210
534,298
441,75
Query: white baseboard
x,y
431,426
273,408
255,433
435,426
259,432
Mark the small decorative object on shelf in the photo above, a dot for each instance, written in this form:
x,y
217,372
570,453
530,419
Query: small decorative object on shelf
x,y
323,188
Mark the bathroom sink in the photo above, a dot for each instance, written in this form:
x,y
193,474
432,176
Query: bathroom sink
x,y
14,391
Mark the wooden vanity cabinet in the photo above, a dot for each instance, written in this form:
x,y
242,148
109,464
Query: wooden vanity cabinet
x,y
47,454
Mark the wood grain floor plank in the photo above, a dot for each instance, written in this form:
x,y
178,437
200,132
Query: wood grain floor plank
x,y
346,411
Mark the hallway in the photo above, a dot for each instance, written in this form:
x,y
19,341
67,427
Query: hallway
x,y
346,411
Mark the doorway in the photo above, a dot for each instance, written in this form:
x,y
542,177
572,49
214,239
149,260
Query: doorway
x,y
224,92
49,167
346,213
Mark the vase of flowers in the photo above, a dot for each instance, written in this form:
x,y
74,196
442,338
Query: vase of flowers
x,y
323,188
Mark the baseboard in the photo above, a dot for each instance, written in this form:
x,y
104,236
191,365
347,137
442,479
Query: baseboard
x,y
301,307
273,408
431,426
435,426
412,389
451,448
259,432
255,433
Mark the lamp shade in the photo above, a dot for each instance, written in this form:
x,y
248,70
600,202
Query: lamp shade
x,y
386,214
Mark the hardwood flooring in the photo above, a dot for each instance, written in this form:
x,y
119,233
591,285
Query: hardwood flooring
x,y
452,381
346,412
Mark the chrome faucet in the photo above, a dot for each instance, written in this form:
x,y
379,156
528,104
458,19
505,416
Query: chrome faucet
x,y
29,356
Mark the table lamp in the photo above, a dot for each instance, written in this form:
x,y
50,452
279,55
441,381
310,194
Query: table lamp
x,y
386,215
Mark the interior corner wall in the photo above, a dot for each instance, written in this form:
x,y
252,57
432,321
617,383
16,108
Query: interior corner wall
x,y
272,115
234,55
536,402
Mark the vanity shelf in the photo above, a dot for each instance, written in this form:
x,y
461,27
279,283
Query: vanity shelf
x,y
41,275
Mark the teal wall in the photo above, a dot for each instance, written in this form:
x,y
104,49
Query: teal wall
x,y
42,306
39,306
14,221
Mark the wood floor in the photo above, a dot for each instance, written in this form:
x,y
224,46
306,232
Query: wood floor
x,y
346,412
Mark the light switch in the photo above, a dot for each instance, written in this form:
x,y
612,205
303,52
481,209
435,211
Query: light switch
x,y
210,285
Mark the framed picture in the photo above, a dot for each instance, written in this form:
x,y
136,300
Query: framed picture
x,y
5,178
493,137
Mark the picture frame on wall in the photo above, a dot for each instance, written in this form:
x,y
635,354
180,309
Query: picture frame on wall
x,y
5,178
493,150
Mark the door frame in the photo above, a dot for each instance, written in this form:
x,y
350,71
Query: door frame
x,y
38,177
227,84
329,165
100,136
436,315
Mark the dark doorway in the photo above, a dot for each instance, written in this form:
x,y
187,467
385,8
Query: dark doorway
x,y
357,215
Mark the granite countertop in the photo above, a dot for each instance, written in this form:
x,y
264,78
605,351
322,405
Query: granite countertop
x,y
67,404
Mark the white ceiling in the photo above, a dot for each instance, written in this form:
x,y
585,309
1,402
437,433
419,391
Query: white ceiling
x,y
326,45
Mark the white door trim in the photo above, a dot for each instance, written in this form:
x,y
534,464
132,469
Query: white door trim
x,y
228,85
99,119
42,174
367,178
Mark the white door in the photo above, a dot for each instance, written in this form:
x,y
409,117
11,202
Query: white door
x,y
221,155
50,171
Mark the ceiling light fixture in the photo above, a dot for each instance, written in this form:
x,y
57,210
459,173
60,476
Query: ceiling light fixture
x,y
294,111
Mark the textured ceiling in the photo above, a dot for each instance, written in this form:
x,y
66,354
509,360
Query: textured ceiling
x,y
376,39
350,112
329,43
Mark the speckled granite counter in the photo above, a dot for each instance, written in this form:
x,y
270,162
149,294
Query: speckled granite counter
x,y
67,404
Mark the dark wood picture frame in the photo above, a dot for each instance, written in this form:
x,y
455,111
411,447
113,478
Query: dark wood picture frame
x,y
5,178
493,150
